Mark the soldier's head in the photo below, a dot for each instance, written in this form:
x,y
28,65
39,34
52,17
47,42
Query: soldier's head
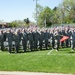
x,y
1,31
9,30
18,30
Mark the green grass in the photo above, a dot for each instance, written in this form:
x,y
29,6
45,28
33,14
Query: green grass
x,y
39,61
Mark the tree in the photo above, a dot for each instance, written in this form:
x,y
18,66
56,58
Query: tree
x,y
67,11
63,13
56,16
13,24
39,10
45,17
16,23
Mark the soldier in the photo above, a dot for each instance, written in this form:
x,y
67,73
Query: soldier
x,y
16,39
30,38
20,35
57,37
67,41
2,39
41,39
9,37
36,39
53,39
63,34
73,39
46,35
24,40
50,40
70,33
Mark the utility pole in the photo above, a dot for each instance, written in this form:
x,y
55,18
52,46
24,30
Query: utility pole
x,y
36,13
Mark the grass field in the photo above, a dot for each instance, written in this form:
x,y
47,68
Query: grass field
x,y
52,61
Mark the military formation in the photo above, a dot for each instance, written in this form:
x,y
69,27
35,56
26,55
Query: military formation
x,y
35,38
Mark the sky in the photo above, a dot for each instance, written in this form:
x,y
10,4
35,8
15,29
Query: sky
x,y
11,10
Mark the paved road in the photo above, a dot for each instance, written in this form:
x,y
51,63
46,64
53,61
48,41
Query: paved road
x,y
29,73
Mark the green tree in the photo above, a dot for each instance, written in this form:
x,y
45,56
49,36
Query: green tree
x,y
67,11
56,16
13,24
37,12
45,17
16,23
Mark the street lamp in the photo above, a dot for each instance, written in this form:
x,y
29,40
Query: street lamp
x,y
36,13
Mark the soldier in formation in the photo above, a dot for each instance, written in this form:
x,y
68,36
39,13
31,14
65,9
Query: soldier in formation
x,y
37,38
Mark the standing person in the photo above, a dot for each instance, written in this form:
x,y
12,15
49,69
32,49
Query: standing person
x,y
46,35
20,35
53,39
16,39
57,37
63,34
9,37
2,39
70,33
36,39
73,39
30,38
67,41
41,39
24,40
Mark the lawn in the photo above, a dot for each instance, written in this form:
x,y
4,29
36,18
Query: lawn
x,y
52,61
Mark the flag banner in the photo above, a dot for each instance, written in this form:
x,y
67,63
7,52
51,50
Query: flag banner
x,y
64,38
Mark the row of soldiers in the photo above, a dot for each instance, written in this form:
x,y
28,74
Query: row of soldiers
x,y
37,38
26,37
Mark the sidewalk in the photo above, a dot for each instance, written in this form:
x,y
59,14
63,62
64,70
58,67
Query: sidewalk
x,y
29,73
